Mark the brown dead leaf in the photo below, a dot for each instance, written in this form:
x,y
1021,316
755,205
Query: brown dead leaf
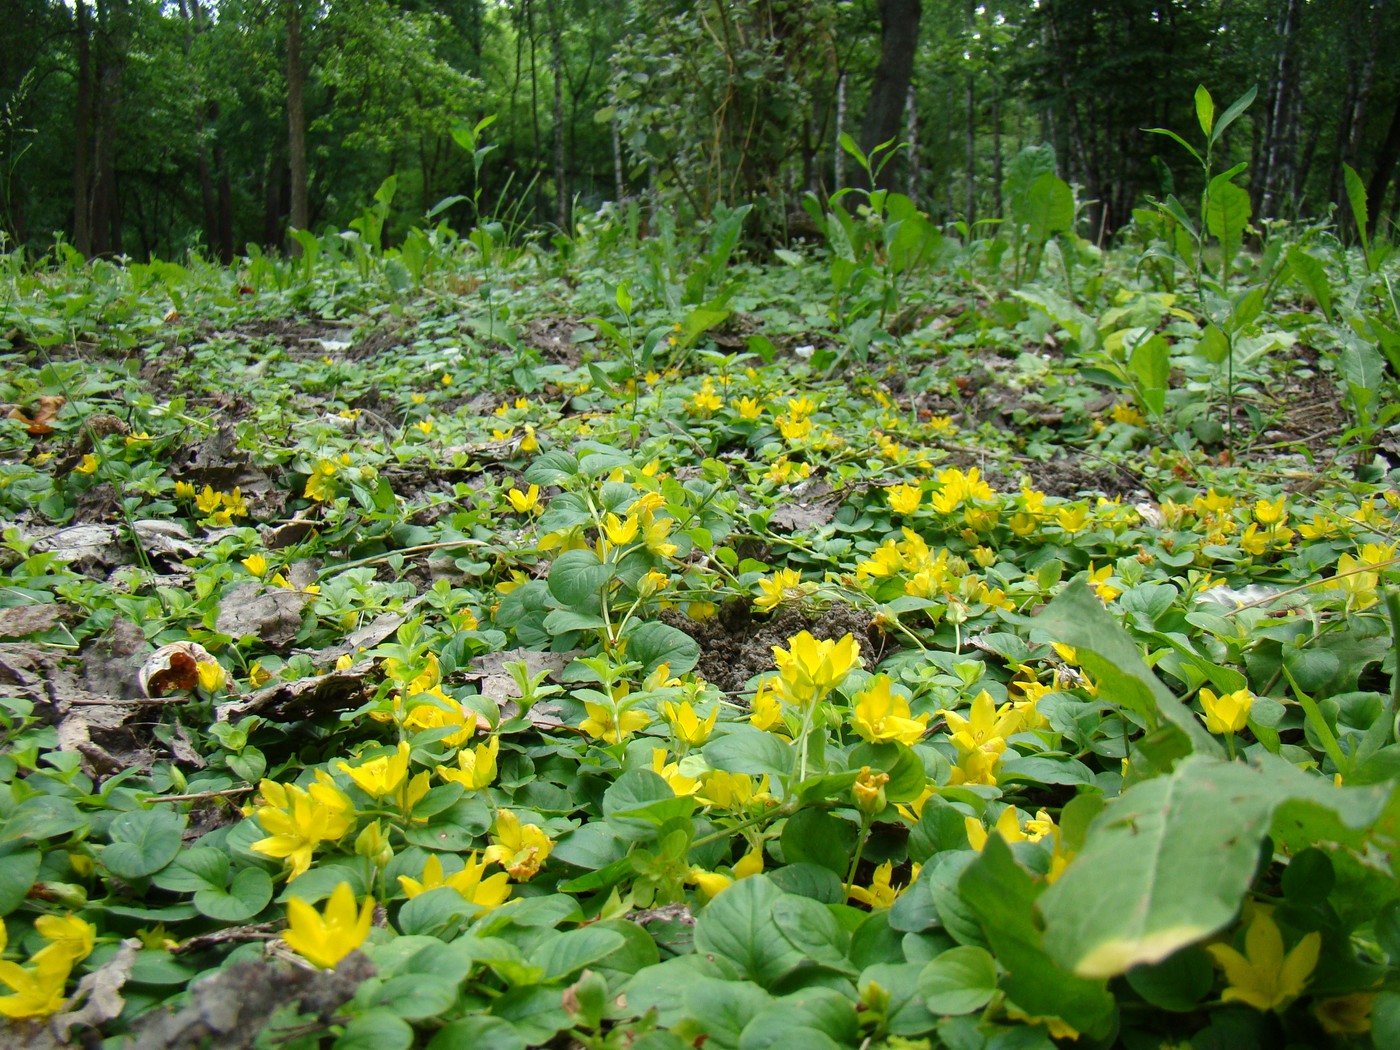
x,y
366,637
342,690
175,668
45,414
272,614
20,621
99,992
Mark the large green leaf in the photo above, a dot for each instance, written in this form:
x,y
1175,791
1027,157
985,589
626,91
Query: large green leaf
x,y
142,842
576,577
1227,216
1170,861
740,926
1077,618
654,643
1003,896
958,981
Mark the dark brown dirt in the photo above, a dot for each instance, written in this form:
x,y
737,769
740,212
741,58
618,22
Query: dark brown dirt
x,y
736,645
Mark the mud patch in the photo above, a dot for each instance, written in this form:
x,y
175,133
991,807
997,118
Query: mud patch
x,y
735,645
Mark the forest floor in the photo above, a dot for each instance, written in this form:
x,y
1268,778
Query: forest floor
x,y
720,663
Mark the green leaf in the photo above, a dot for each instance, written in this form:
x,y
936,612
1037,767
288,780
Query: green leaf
x,y
1308,269
1205,109
375,1030
747,749
815,836
958,981
811,929
18,872
1227,216
577,576
907,1013
249,894
142,842
480,1032
723,1008
738,925
1356,197
1232,111
1110,656
624,298
566,953
1150,365
1178,983
551,468
654,643
415,996
1003,895
1179,140
1169,862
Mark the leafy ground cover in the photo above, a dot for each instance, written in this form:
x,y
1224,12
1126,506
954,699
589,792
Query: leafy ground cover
x,y
905,641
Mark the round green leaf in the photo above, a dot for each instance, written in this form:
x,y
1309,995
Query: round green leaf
x,y
142,842
959,980
577,576
655,643
481,1032
248,895
415,996
375,1030
17,874
1178,983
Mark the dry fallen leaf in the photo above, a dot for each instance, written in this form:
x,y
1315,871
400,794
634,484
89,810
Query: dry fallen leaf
x,y
47,412
176,667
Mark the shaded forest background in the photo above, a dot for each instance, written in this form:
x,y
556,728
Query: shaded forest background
x,y
150,127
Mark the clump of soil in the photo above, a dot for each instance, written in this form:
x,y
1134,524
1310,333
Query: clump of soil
x,y
736,645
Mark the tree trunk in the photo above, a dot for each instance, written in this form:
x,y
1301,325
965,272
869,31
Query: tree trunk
x,y
561,189
1385,167
1280,160
899,39
296,122
911,135
106,228
997,207
82,132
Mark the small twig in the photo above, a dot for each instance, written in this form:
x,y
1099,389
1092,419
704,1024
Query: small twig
x,y
196,796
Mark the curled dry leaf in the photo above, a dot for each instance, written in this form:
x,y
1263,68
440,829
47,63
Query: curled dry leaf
x,y
45,414
176,667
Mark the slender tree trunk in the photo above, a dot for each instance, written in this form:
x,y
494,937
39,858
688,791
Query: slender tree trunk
x,y
1386,160
619,187
82,132
106,227
1280,161
838,172
300,218
911,135
970,128
561,188
899,39
997,209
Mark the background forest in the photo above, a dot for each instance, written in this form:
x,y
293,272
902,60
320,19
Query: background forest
x,y
150,127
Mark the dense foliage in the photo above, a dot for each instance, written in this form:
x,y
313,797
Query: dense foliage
x,y
911,641
146,127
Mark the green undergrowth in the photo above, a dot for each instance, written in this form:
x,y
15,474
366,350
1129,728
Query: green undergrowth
x,y
909,640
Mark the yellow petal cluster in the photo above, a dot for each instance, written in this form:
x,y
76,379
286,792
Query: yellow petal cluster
x,y
298,820
810,669
882,715
485,893
1264,977
519,848
1227,713
323,939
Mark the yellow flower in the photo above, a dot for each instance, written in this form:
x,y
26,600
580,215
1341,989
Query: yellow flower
x,y
765,711
1008,826
620,531
38,988
705,403
751,863
1227,713
380,776
810,669
881,715
904,499
475,768
603,723
485,893
424,425
1072,519
325,939
794,428
88,464
1125,413
773,589
525,502
1098,580
519,848
880,894
710,883
1263,977
749,408
733,791
686,724
1266,513
652,582
208,501
446,712
678,782
869,791
184,490
67,935
255,563
1345,1014
212,676
297,820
